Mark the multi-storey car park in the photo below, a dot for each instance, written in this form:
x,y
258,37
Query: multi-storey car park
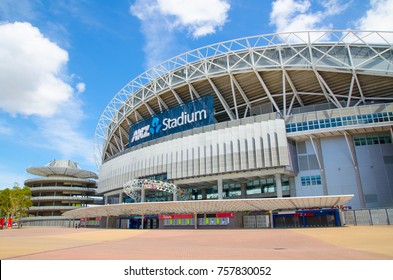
x,y
61,186
283,121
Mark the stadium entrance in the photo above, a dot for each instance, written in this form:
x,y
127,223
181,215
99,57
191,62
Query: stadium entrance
x,y
135,222
307,218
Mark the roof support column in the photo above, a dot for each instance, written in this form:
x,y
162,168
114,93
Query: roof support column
x,y
278,185
292,187
267,91
195,221
204,193
143,194
222,100
243,190
234,97
352,152
220,188
271,219
175,194
316,144
241,92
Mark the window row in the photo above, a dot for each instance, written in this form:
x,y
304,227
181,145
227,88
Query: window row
x,y
340,121
372,140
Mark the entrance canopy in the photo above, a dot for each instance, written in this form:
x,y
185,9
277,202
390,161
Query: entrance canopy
x,y
209,206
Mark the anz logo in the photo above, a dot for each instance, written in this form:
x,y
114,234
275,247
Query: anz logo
x,y
147,130
155,126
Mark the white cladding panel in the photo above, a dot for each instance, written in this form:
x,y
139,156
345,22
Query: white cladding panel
x,y
238,148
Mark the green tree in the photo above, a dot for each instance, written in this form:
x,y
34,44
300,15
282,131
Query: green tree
x,y
5,203
15,202
21,201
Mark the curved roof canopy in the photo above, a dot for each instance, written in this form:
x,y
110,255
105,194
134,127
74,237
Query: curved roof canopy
x,y
284,70
62,168
209,206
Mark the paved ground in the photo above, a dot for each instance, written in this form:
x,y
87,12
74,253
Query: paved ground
x,y
350,242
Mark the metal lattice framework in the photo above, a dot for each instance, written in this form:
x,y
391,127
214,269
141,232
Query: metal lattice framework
x,y
286,70
134,188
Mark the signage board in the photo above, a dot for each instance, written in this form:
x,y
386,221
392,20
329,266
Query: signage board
x,y
190,115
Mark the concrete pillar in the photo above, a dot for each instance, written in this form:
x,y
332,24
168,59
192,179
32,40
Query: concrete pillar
x,y
195,220
107,221
204,193
271,218
292,186
278,185
220,188
121,197
142,218
143,194
243,189
105,200
175,194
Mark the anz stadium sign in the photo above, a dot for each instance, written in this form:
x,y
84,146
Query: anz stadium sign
x,y
190,115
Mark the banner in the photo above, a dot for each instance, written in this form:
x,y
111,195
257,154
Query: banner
x,y
190,115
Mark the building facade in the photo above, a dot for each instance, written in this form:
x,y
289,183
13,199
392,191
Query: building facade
x,y
61,186
282,115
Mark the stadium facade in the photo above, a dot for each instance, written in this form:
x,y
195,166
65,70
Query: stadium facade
x,y
298,114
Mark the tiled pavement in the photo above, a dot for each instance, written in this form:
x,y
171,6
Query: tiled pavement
x,y
350,242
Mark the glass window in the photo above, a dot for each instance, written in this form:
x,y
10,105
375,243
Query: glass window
x,y
311,180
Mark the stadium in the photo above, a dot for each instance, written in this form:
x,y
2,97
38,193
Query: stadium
x,y
226,134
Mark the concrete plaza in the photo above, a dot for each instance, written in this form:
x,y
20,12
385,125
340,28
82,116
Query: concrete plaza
x,y
339,243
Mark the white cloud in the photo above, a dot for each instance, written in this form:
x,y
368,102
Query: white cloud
x,y
201,17
378,17
31,80
298,15
63,134
161,19
34,84
81,87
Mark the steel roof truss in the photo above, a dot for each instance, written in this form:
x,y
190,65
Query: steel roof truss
x,y
222,100
294,90
234,97
373,57
178,99
239,88
118,145
267,91
193,91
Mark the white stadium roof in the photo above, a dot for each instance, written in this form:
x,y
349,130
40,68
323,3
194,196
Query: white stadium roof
x,y
345,68
209,206
65,168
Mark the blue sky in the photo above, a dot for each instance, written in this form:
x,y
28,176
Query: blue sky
x,y
61,62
